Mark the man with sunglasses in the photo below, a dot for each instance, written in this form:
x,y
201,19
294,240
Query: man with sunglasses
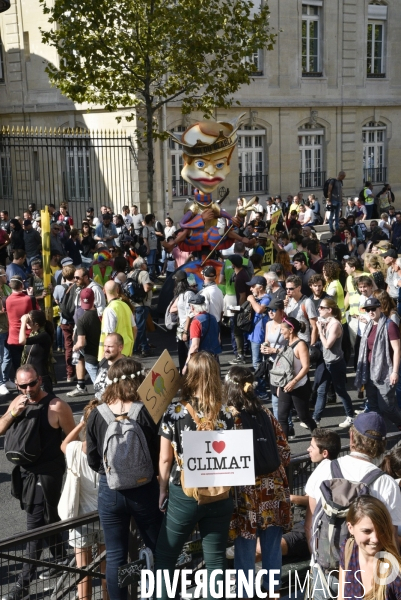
x,y
38,485
379,362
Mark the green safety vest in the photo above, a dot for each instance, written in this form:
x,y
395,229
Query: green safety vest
x,y
369,200
228,273
97,274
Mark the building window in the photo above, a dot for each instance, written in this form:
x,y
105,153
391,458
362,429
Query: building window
x,y
311,39
311,174
377,15
1,63
374,140
179,186
78,169
251,160
255,59
6,188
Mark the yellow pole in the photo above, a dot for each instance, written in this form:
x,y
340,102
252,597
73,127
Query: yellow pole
x,y
45,224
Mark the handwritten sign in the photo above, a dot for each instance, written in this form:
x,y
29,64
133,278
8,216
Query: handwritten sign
x,y
160,386
130,573
214,458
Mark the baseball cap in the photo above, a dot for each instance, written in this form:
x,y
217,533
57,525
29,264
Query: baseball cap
x,y
198,299
257,280
180,276
87,298
66,261
276,268
276,305
209,271
27,222
236,260
371,303
371,425
391,253
127,239
90,209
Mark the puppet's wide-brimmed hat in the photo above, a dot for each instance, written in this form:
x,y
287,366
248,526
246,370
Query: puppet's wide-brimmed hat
x,y
207,137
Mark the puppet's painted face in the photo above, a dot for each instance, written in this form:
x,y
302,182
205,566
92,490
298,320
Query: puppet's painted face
x,y
207,172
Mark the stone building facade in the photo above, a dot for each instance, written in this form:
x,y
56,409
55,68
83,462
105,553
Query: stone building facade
x,y
326,98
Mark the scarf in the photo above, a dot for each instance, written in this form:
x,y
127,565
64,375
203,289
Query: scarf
x,y
381,364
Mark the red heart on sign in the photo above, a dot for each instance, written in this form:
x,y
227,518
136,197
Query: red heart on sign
x,y
218,446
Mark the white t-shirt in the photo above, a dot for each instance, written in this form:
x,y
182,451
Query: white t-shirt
x,y
355,469
183,306
296,310
308,217
109,320
382,223
214,300
127,220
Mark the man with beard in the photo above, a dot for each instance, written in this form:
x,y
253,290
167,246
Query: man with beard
x,y
113,347
38,485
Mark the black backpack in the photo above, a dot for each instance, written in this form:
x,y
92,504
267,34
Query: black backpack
x,y
361,195
67,305
22,444
326,187
133,289
245,318
266,456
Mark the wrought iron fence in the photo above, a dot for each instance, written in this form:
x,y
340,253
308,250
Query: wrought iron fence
x,y
375,175
312,179
78,166
253,183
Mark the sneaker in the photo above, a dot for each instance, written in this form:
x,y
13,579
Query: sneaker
x,y
59,350
4,390
10,385
230,553
18,592
304,425
360,412
240,360
78,392
347,423
71,379
52,572
291,433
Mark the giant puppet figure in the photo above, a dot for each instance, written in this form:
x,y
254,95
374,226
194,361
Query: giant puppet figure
x,y
208,147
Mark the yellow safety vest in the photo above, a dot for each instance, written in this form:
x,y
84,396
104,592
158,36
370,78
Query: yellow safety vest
x,y
334,288
353,292
124,327
97,274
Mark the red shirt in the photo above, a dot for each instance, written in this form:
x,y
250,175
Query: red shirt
x,y
393,334
18,304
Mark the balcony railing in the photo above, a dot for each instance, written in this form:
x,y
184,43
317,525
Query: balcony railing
x,y
375,175
312,179
253,183
180,188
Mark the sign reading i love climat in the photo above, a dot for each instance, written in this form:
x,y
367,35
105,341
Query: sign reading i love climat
x,y
214,458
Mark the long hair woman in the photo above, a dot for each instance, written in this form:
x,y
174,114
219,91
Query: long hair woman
x,y
116,507
200,402
331,336
388,306
87,240
297,391
182,297
38,346
262,510
16,237
375,265
283,259
370,555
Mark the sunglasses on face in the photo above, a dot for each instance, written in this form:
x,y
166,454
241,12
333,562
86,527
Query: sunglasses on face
x,y
290,289
31,384
369,310
272,310
77,278
323,308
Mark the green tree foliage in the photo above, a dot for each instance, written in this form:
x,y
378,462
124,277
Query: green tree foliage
x,y
145,53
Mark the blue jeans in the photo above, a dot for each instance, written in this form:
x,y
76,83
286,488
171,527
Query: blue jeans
x,y
382,399
338,376
270,544
256,360
334,214
59,337
5,359
115,511
151,260
92,370
141,341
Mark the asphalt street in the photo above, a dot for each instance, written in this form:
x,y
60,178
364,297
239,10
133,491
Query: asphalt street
x,y
12,519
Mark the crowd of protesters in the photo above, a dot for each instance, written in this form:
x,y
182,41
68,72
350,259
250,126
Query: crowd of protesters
x,y
331,308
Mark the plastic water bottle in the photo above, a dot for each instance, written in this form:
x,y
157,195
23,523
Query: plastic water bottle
x,y
75,358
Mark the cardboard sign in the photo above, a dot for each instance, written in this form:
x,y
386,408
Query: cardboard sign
x,y
213,458
160,386
268,258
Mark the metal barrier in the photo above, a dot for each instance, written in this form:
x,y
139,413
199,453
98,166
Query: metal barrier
x,y
75,555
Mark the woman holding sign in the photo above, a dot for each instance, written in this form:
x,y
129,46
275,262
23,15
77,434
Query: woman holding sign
x,y
200,409
262,510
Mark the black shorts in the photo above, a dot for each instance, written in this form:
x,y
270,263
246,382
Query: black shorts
x,y
296,541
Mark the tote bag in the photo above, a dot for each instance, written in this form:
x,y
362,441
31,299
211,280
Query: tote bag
x,y
68,505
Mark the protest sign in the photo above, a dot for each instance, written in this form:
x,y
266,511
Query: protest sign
x,y
160,386
215,458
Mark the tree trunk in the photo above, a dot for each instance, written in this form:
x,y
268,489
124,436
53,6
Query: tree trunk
x,y
150,155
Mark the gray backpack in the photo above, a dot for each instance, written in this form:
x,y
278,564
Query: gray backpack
x,y
329,526
126,455
282,371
